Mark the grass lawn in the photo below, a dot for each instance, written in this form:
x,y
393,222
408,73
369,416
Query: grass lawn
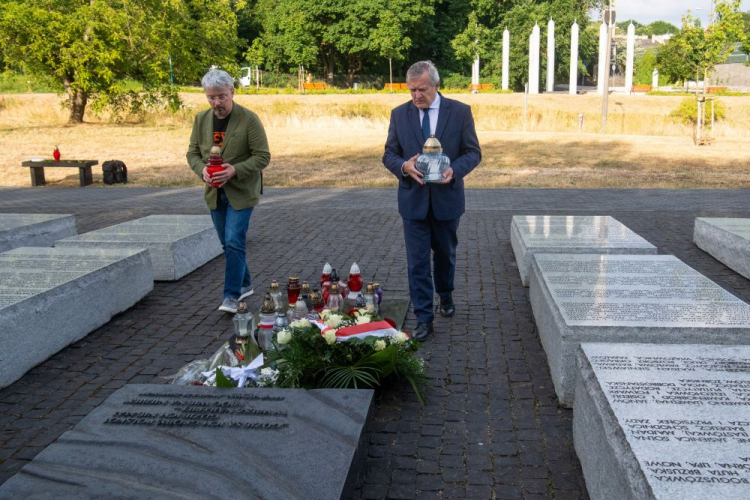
x,y
337,140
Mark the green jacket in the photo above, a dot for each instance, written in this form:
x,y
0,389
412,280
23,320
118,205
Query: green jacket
x,y
245,147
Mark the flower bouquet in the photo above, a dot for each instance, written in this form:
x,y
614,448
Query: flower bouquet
x,y
358,350
331,350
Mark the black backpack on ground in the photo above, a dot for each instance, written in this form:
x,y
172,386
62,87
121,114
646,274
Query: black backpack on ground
x,y
115,172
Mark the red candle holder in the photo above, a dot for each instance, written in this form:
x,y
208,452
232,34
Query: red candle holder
x,y
292,290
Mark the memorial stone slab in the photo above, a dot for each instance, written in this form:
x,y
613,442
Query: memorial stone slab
x,y
177,244
727,240
164,441
530,234
626,298
34,230
663,422
52,297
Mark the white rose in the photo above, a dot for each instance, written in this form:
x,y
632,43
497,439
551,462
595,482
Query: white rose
x,y
399,337
379,345
330,336
325,313
334,320
284,337
300,323
361,320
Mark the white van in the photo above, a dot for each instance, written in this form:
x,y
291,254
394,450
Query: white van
x,y
245,77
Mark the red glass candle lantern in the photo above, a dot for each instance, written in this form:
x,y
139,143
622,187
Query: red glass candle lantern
x,y
292,289
56,154
355,282
326,276
215,163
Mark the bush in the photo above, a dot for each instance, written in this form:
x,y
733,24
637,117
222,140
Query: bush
x,y
687,112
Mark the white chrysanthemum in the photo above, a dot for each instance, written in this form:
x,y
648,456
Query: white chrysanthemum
x,y
325,313
361,320
379,345
284,337
330,336
399,337
301,323
334,320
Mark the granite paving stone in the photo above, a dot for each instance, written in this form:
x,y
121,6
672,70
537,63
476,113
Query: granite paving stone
x,y
488,368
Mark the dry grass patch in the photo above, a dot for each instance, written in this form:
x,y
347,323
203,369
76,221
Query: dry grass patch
x,y
337,140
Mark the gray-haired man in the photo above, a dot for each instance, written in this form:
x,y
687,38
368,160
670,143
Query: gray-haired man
x,y
244,150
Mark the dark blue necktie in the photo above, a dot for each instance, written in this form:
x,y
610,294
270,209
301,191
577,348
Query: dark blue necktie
x,y
426,124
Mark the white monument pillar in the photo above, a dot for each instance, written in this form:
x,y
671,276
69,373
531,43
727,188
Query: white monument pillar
x,y
655,79
534,60
551,56
475,72
631,56
506,58
603,52
574,59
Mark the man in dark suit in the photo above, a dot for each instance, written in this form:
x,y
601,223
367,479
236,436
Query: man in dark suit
x,y
430,212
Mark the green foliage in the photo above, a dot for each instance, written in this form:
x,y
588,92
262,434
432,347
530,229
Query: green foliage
x,y
308,361
18,83
745,47
222,380
687,112
91,47
695,51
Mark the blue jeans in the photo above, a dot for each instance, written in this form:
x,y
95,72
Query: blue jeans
x,y
231,226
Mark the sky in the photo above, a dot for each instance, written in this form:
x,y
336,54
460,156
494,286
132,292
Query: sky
x,y
647,11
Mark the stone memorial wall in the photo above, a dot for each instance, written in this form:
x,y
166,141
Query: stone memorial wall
x,y
627,298
52,297
532,234
34,230
177,244
164,441
726,240
663,421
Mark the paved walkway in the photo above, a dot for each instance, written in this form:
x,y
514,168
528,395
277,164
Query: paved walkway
x,y
491,428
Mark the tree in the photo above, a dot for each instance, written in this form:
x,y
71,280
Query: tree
x,y
746,44
390,40
661,28
91,46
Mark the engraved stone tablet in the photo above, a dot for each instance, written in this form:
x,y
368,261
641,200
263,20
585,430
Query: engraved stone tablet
x,y
663,422
52,297
726,240
177,244
627,298
34,230
162,441
531,234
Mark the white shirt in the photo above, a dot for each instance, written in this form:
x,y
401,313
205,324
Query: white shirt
x,y
434,111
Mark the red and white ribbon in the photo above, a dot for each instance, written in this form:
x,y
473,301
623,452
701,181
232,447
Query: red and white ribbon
x,y
373,329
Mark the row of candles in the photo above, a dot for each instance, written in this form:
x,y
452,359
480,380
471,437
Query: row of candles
x,y
304,302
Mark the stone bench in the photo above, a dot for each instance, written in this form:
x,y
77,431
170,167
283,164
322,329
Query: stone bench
x,y
663,422
52,297
37,170
177,244
530,234
34,230
626,298
727,240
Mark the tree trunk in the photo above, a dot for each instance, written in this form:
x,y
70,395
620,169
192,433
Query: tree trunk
x,y
329,59
390,71
354,66
77,102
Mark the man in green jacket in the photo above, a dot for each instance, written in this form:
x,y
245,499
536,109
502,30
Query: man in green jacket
x,y
244,151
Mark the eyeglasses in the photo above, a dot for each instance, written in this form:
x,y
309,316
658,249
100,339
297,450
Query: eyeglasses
x,y
220,97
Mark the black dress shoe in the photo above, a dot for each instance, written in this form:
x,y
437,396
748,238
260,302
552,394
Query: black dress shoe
x,y
447,309
422,331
